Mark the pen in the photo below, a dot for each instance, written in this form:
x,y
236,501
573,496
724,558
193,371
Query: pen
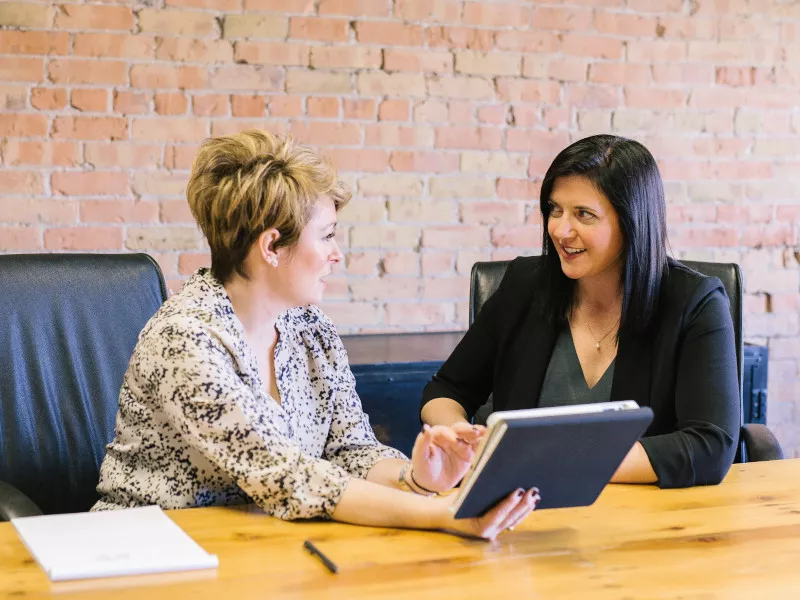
x,y
329,564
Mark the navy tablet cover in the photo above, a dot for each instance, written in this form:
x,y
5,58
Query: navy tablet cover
x,y
570,458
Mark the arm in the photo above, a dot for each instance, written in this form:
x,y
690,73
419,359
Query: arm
x,y
702,448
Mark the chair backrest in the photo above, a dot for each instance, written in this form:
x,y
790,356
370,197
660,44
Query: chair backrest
x,y
70,322
486,277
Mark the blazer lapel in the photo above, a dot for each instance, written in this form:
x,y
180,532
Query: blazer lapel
x,y
633,369
534,346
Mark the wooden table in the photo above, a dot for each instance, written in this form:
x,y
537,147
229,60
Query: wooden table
x,y
737,540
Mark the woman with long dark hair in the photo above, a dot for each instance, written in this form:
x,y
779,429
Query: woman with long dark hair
x,y
605,315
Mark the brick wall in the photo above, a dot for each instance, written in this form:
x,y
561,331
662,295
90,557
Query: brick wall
x,y
442,115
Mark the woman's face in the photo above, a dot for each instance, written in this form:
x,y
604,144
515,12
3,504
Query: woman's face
x,y
305,266
585,229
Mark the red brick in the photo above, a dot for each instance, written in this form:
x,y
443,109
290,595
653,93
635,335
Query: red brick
x,y
428,11
180,157
490,64
495,14
90,100
619,73
83,238
419,313
519,90
354,8
345,57
90,183
654,98
630,25
109,210
735,76
455,288
285,106
168,77
33,210
744,170
424,162
24,152
592,96
82,17
560,18
176,22
34,42
686,73
592,46
247,77
169,130
484,138
88,71
322,107
21,14
656,51
548,143
113,45
394,110
320,29
175,211
760,236
398,136
272,53
437,263
48,98
518,189
131,103
556,117
424,61
124,155
189,263
207,4
431,111
361,109
210,105
170,104
470,88
384,288
21,69
389,33
358,159
521,236
20,238
528,41
326,133
380,83
21,182
400,263
455,237
188,49
727,213
460,37
90,128
716,98
568,69
250,106
13,97
255,26
490,213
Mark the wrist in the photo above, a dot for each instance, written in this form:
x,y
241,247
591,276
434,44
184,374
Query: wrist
x,y
407,482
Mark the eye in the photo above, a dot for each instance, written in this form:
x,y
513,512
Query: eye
x,y
585,214
330,236
555,211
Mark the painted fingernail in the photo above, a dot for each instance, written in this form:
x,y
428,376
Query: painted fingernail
x,y
519,493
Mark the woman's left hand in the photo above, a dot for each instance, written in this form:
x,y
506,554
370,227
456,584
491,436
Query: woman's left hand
x,y
442,455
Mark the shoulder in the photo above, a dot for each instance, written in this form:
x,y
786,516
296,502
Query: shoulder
x,y
687,291
309,327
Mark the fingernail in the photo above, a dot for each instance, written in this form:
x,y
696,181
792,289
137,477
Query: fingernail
x,y
519,493
425,427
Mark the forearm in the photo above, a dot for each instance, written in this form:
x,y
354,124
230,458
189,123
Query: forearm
x,y
443,411
368,503
635,468
386,472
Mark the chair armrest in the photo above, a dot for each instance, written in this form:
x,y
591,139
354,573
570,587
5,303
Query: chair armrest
x,y
14,503
761,443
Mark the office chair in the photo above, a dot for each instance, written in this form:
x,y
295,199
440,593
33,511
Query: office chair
x,y
70,322
756,441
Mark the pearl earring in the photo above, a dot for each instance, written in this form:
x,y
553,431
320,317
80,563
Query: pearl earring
x,y
273,260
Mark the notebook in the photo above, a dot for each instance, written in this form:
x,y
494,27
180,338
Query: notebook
x,y
132,541
569,452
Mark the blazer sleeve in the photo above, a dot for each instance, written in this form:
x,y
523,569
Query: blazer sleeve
x,y
467,376
707,406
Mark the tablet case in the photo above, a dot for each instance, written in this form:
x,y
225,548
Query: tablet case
x,y
570,458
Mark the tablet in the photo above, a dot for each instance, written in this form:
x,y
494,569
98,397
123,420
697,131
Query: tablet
x,y
569,452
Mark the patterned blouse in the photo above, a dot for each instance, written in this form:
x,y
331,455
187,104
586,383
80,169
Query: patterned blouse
x,y
196,427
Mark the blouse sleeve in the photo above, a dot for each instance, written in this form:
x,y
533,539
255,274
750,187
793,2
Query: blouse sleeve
x,y
702,448
351,442
205,399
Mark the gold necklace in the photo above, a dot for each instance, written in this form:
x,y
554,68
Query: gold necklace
x,y
594,337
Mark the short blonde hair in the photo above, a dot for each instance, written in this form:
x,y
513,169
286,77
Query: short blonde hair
x,y
243,184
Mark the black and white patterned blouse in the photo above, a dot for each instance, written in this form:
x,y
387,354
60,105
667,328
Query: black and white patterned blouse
x,y
197,428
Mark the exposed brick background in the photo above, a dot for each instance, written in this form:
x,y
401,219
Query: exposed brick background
x,y
442,115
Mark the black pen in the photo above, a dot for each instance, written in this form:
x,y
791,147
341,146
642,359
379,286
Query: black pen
x,y
329,564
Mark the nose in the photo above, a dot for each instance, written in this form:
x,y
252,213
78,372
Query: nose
x,y
562,228
336,256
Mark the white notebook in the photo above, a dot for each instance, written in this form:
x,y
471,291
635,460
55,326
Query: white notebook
x,y
132,541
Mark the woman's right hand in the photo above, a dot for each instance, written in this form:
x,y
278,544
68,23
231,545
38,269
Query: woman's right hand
x,y
505,515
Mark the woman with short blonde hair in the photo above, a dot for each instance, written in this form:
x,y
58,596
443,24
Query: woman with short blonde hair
x,y
239,389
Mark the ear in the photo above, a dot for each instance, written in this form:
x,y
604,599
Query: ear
x,y
265,243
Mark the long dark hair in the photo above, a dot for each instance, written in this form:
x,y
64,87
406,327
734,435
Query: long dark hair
x,y
626,173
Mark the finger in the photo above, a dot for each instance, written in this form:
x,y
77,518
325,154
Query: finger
x,y
522,510
440,434
422,446
491,523
472,434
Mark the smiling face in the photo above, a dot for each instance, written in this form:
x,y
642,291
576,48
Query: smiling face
x,y
585,230
304,267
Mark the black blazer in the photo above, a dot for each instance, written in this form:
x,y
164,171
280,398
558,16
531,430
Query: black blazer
x,y
683,367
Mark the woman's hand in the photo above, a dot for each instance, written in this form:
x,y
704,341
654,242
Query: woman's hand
x,y
442,455
505,515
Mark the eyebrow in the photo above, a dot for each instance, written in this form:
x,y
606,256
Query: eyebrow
x,y
579,207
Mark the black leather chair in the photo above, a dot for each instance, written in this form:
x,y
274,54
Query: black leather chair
x,y
756,441
70,322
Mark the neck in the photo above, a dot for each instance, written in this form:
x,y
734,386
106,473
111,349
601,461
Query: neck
x,y
256,308
600,295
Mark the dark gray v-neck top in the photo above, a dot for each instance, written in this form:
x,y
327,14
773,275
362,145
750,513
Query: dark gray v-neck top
x,y
564,383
